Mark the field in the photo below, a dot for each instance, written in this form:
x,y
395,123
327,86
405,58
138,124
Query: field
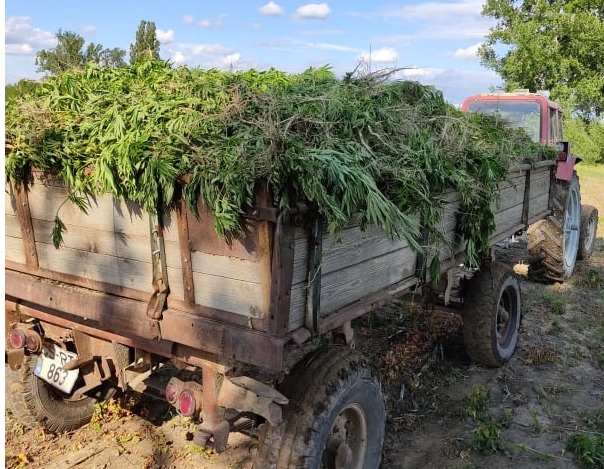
x,y
545,408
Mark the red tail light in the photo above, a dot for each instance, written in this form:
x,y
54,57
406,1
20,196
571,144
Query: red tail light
x,y
173,390
187,403
16,338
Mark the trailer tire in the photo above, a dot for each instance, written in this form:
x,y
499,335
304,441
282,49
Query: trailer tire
x,y
553,243
336,411
589,228
35,402
492,314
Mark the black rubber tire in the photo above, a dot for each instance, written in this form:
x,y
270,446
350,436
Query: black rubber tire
x,y
553,243
492,314
322,387
589,229
34,402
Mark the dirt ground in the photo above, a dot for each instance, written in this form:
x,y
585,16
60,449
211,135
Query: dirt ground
x,y
443,411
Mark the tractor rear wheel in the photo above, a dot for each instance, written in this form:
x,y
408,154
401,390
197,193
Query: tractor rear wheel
x,y
553,243
335,418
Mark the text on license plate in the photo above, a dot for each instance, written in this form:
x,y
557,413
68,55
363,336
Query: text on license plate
x,y
49,368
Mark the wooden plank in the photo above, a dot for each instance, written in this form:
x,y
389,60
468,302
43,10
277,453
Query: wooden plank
x,y
129,218
95,266
228,267
508,218
78,237
347,285
10,206
12,226
228,294
344,286
177,290
46,200
351,246
539,204
13,249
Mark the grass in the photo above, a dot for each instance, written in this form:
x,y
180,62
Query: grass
x,y
588,445
592,181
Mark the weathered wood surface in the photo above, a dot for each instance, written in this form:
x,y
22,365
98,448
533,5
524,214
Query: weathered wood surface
x,y
111,244
354,264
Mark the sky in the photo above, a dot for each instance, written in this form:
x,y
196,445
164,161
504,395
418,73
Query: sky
x,y
433,42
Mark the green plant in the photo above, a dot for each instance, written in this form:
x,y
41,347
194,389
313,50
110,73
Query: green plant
x,y
486,436
383,149
476,402
506,418
588,445
556,302
537,425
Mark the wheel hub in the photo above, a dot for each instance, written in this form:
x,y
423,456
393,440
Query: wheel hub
x,y
347,443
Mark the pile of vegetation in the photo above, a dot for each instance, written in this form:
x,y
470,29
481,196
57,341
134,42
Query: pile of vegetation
x,y
365,144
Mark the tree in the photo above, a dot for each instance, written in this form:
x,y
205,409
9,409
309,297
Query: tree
x,y
551,45
113,57
146,43
69,54
66,56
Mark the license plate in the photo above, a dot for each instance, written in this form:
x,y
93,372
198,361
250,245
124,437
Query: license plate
x,y
49,368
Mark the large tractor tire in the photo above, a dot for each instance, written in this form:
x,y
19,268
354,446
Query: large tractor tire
x,y
553,243
35,402
335,419
491,315
589,229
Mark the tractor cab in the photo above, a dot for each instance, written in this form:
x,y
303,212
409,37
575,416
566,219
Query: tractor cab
x,y
539,116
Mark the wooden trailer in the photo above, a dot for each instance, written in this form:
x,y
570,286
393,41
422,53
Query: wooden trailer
x,y
126,290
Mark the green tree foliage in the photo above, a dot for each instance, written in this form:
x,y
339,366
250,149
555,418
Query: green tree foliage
x,y
587,139
66,56
113,57
21,88
551,45
146,45
70,54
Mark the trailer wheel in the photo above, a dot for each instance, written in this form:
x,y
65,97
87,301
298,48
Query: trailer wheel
x,y
35,402
335,418
553,243
589,228
491,315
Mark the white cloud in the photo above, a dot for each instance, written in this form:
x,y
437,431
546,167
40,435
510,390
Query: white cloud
x,y
230,59
165,37
455,84
188,19
383,55
291,44
217,23
313,11
19,49
271,9
460,19
468,53
178,57
21,38
420,73
89,29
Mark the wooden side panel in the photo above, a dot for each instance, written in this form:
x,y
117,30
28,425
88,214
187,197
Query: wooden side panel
x,y
95,266
13,249
228,283
355,264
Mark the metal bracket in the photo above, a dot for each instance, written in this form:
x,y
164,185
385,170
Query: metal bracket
x,y
315,259
157,302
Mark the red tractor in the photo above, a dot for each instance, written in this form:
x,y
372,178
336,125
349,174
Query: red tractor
x,y
569,232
